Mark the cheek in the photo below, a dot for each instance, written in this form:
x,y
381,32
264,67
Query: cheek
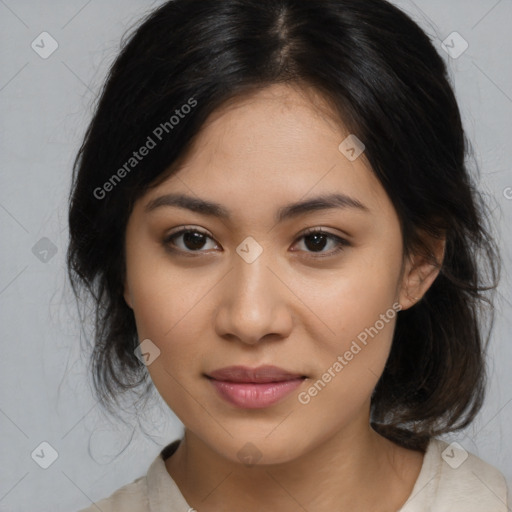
x,y
166,312
349,367
360,308
169,309
356,297
163,296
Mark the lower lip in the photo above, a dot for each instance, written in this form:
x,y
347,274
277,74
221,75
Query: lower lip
x,y
249,395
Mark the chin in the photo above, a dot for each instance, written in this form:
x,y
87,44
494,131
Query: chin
x,y
257,449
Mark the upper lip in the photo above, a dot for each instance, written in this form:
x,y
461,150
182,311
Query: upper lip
x,y
260,374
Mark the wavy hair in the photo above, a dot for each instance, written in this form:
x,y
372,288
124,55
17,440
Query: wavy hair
x,y
387,84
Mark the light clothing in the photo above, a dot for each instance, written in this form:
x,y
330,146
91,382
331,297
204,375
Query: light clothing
x,y
448,482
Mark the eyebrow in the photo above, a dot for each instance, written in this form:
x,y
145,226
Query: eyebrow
x,y
204,207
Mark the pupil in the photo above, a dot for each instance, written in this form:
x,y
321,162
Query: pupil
x,y
316,245
193,240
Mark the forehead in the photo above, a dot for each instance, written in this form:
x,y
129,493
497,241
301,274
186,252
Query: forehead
x,y
279,145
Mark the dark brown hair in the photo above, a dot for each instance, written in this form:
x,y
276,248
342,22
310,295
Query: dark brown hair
x,y
389,86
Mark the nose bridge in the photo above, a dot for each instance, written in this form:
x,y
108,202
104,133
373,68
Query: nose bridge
x,y
253,301
252,281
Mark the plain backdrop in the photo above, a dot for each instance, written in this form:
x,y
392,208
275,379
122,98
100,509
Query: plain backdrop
x,y
46,103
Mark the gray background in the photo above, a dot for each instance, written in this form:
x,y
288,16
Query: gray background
x,y
45,106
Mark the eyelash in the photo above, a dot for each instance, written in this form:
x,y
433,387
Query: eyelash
x,y
341,242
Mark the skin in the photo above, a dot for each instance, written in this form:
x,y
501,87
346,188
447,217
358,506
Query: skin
x,y
290,307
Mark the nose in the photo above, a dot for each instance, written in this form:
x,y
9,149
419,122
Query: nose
x,y
254,304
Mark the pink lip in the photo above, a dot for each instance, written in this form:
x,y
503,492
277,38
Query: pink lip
x,y
254,388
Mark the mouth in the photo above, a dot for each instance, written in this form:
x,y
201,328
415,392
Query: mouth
x,y
254,388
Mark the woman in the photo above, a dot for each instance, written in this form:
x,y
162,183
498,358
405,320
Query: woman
x,y
272,211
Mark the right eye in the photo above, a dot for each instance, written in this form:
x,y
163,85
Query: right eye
x,y
189,240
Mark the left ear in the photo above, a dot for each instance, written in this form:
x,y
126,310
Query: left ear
x,y
421,271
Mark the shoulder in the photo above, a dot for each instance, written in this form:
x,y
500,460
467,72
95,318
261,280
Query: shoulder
x,y
132,497
154,492
455,480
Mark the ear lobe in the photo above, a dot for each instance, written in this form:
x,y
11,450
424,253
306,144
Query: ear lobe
x,y
420,272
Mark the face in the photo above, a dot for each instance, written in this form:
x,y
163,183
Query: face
x,y
255,282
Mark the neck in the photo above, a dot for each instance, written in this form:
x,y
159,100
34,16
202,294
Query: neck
x,y
354,469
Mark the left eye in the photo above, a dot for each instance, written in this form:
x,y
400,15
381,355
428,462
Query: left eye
x,y
194,240
317,241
